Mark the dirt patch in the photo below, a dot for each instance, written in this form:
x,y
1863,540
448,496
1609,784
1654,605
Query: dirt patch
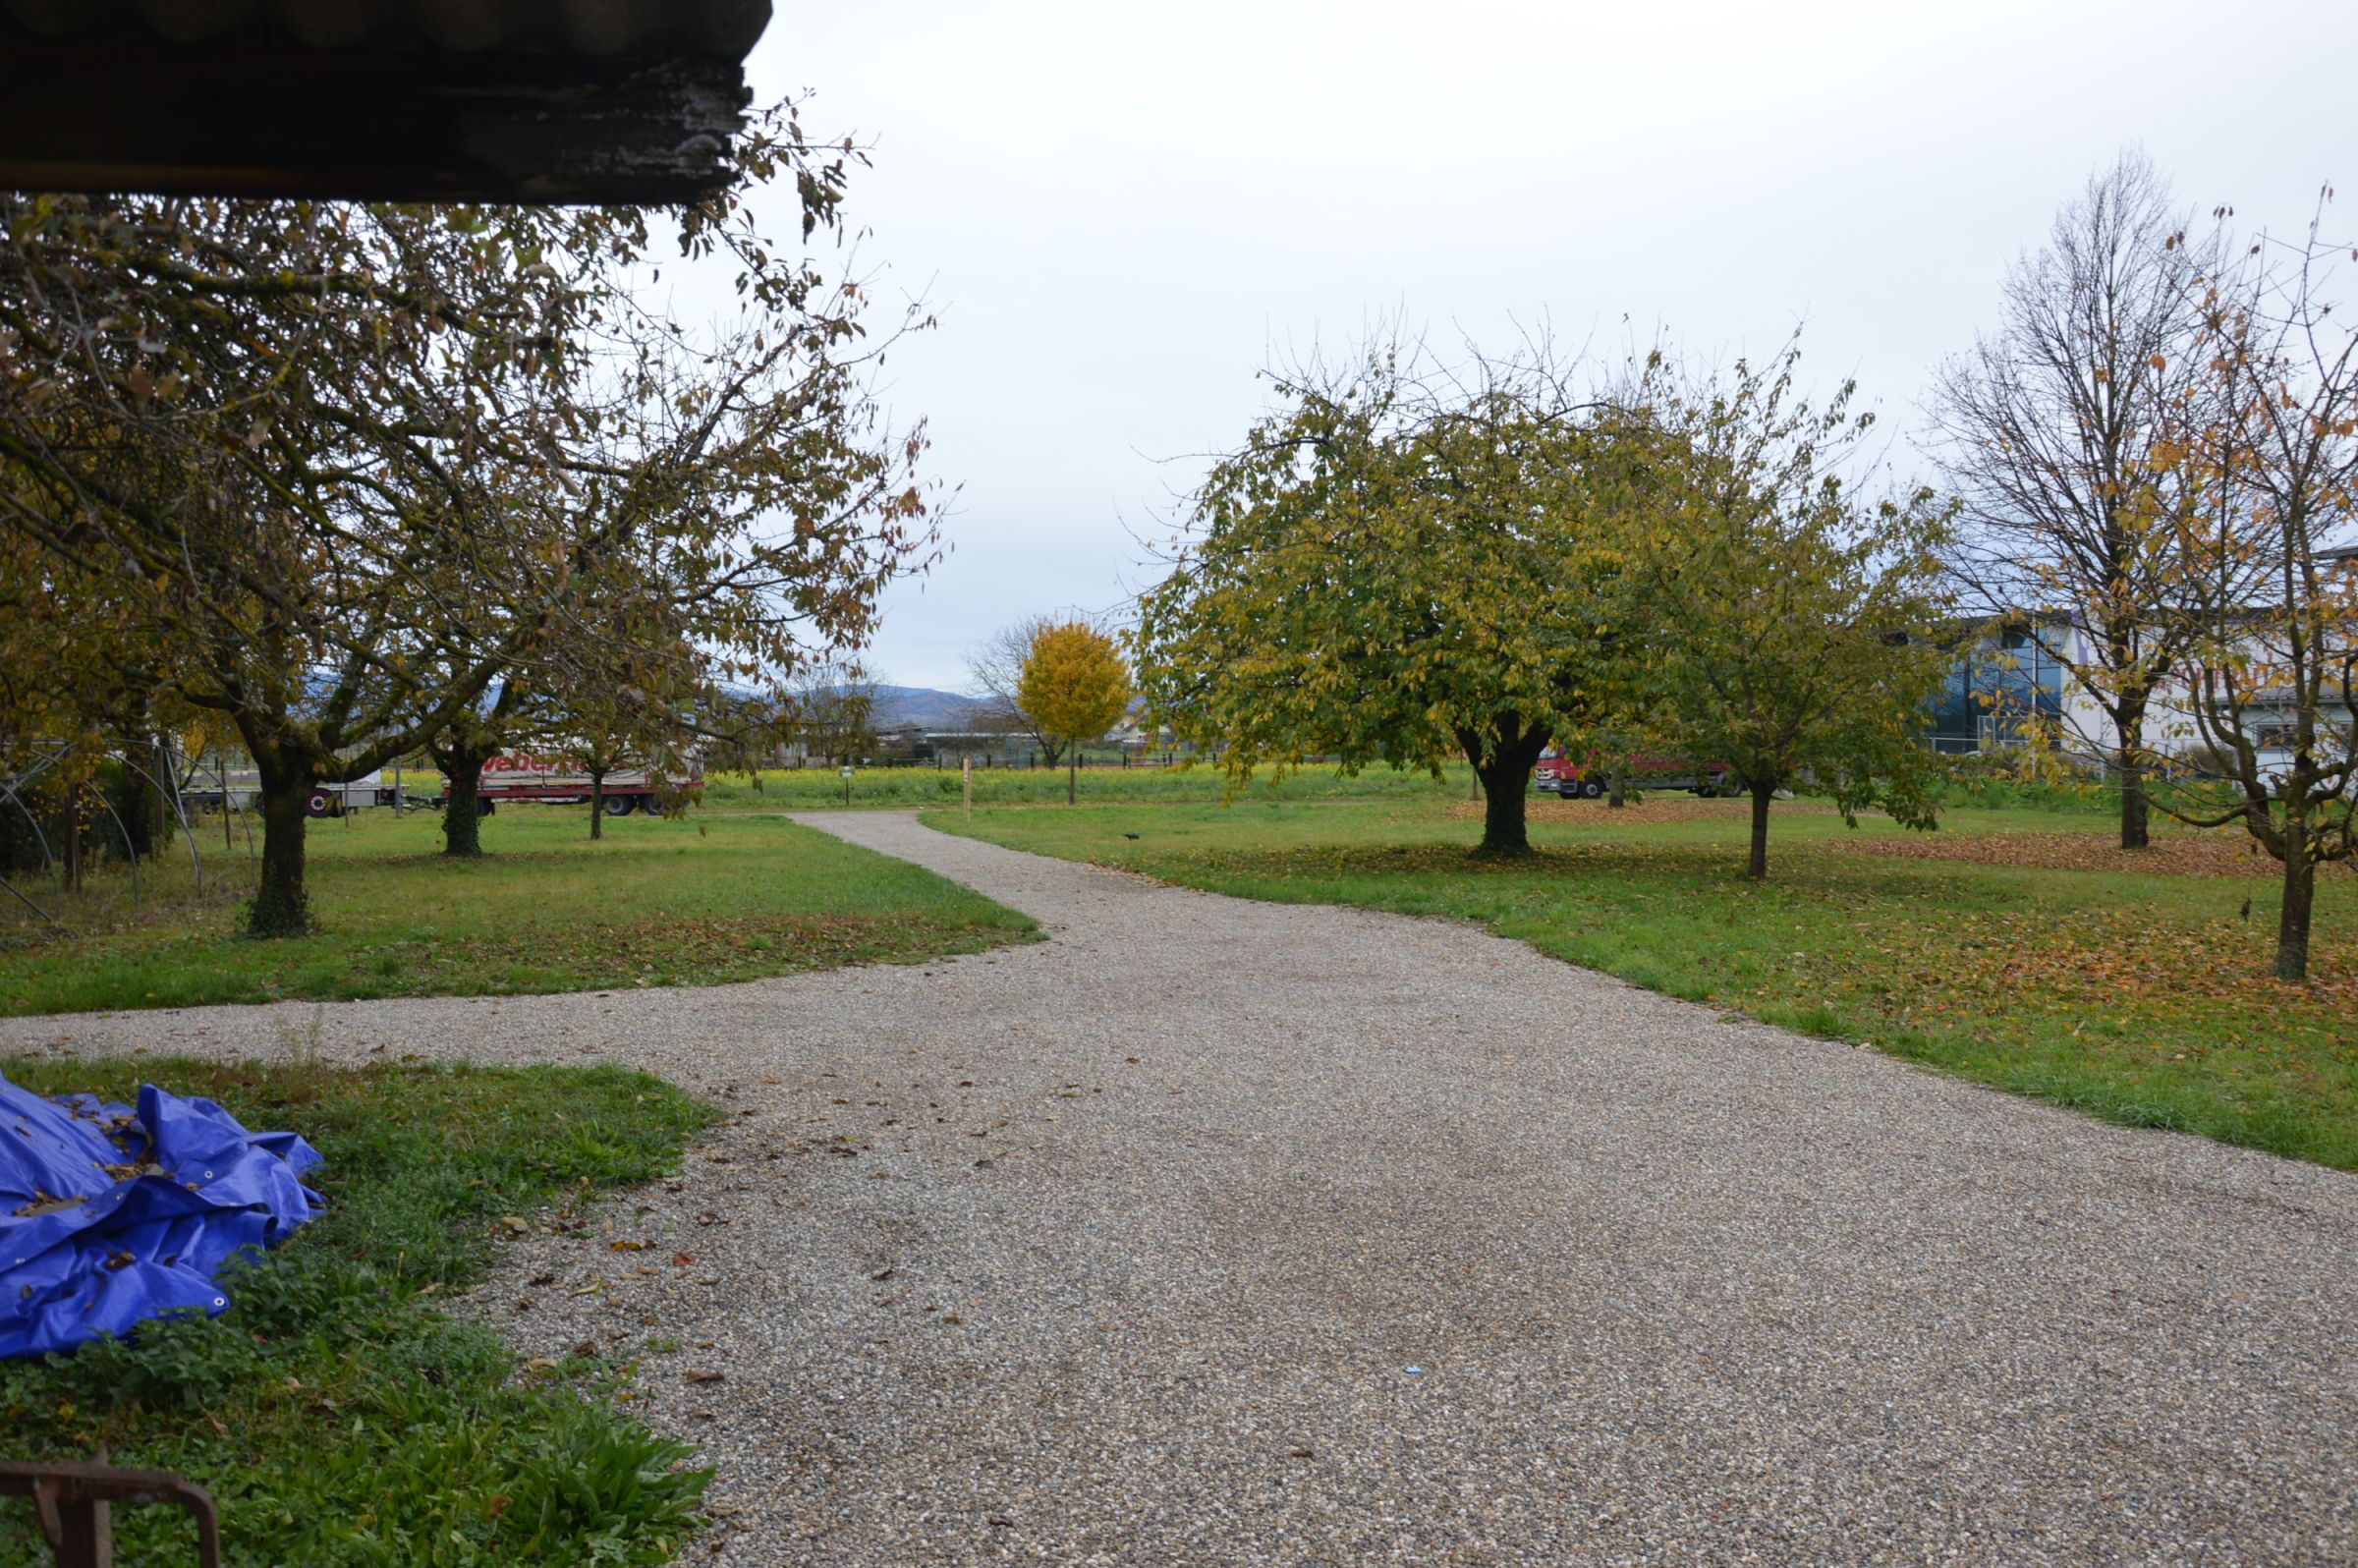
x,y
2183,854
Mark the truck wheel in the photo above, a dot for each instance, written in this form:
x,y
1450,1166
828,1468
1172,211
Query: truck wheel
x,y
482,808
621,804
1591,787
321,804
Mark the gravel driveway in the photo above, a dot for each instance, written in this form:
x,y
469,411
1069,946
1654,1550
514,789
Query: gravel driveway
x,y
1220,1232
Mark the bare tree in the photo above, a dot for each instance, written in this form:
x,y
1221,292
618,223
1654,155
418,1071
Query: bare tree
x,y
2063,432
832,710
2274,687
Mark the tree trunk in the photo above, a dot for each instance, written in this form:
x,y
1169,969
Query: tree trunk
x,y
1505,833
1758,867
2292,926
462,821
2136,812
1505,780
137,802
598,804
1619,796
280,907
1072,778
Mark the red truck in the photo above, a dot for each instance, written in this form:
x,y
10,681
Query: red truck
x,y
559,780
1557,775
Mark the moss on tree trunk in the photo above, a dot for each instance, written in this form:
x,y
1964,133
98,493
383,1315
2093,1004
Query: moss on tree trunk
x,y
462,816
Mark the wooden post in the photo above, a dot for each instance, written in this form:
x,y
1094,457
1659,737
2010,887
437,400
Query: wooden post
x,y
966,776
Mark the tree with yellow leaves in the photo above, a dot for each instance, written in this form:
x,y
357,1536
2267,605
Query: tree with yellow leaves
x,y
1075,687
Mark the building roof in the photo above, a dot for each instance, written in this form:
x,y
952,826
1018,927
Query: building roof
x,y
606,101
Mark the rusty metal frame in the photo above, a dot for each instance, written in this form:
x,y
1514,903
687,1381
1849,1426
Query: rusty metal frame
x,y
74,1500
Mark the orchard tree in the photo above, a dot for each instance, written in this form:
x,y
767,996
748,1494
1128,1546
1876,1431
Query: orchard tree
x,y
1397,568
1075,687
619,727
1796,621
2274,688
350,456
630,701
2066,431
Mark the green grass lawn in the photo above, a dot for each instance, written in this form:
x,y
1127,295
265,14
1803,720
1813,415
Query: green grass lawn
x,y
336,1415
657,902
2138,997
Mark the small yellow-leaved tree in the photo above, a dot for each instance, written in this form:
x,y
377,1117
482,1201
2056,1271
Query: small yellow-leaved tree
x,y
1075,687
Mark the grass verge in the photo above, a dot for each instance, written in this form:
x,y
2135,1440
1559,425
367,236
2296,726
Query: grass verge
x,y
657,902
2139,997
334,1414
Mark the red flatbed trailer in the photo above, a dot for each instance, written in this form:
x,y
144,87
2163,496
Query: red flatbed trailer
x,y
1559,775
555,780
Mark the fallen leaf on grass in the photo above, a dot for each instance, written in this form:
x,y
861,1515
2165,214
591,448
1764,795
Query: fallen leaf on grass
x,y
2183,854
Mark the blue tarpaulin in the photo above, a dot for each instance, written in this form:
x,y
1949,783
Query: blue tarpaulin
x,y
111,1215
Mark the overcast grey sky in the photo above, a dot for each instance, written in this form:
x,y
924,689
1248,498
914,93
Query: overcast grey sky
x,y
1119,213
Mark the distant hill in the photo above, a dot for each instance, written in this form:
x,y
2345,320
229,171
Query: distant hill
x,y
925,707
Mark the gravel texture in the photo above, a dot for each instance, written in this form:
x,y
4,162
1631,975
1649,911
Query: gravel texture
x,y
1219,1232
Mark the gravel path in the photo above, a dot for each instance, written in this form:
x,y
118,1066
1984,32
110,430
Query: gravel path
x,y
1214,1232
